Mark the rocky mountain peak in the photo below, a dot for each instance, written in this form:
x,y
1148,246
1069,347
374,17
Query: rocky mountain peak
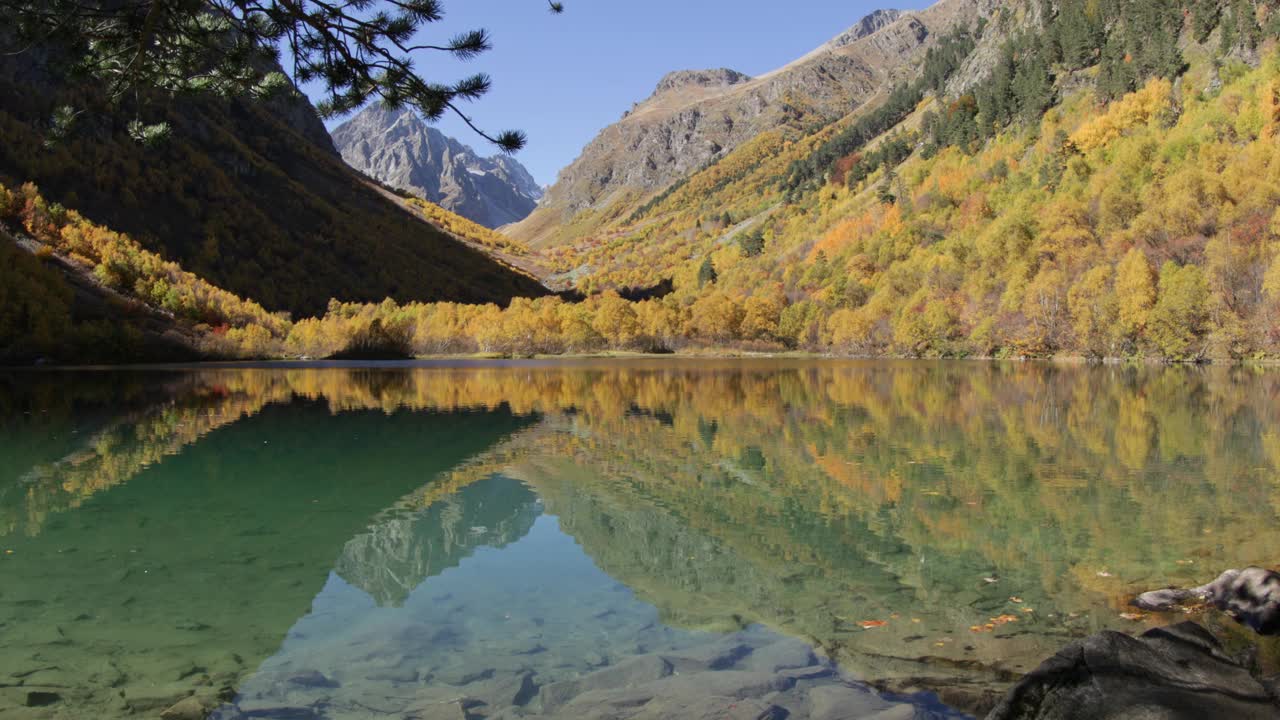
x,y
719,77
396,147
695,117
864,27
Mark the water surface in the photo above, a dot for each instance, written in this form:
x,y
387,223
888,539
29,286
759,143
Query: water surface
x,y
604,539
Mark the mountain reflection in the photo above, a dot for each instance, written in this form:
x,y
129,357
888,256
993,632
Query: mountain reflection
x,y
398,553
983,513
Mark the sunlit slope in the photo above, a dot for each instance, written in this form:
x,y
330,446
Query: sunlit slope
x,y
694,118
1144,225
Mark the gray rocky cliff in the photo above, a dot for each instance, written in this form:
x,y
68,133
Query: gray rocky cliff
x,y
398,148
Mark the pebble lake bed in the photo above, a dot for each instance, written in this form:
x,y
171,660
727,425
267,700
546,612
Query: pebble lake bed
x,y
694,539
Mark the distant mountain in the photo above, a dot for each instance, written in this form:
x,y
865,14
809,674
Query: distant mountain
x,y
400,149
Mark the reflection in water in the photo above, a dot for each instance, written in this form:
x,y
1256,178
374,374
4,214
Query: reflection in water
x,y
940,526
398,553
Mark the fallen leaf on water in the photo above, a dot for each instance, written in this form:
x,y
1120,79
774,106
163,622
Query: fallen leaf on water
x,y
1004,619
939,644
894,616
868,624
915,620
1132,616
1028,610
1015,599
1185,562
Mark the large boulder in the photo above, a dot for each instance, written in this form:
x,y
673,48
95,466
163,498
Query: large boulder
x,y
1175,673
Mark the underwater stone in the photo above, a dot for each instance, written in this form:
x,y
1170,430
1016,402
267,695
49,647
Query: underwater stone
x,y
284,712
192,708
41,698
396,676
781,655
711,708
715,656
625,674
312,679
503,691
840,702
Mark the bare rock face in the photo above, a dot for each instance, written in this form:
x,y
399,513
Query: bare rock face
x,y
696,116
719,78
1174,673
866,26
1008,17
398,148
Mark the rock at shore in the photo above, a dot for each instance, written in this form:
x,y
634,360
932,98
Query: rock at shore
x,y
1251,596
1174,673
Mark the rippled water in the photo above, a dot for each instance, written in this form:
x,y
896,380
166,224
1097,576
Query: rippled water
x,y
588,539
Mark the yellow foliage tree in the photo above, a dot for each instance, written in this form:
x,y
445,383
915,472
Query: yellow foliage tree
x,y
1129,112
1135,294
1177,321
715,317
761,313
1093,311
615,320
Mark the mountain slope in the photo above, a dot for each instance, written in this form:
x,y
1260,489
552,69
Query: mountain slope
x,y
695,117
249,196
1100,185
397,148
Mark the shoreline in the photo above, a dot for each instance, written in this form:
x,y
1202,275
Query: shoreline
x,y
709,354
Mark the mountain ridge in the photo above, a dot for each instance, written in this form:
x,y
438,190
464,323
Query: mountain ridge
x,y
672,134
398,148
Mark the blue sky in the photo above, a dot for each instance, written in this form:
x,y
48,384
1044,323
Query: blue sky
x,y
562,78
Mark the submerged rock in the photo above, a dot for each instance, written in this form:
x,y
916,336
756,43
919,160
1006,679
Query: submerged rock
x,y
279,712
192,708
312,679
711,708
841,702
714,656
41,698
1174,673
786,654
625,674
502,691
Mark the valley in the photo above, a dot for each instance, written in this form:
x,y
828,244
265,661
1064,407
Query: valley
x,y
978,179
855,361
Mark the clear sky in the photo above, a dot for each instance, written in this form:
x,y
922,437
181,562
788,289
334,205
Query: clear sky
x,y
562,78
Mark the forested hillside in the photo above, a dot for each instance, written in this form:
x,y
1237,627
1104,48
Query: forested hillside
x,y
1107,187
1055,178
247,194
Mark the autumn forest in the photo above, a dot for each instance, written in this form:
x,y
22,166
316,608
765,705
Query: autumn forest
x,y
1093,196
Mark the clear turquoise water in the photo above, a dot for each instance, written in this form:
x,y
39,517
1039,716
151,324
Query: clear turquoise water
x,y
589,539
